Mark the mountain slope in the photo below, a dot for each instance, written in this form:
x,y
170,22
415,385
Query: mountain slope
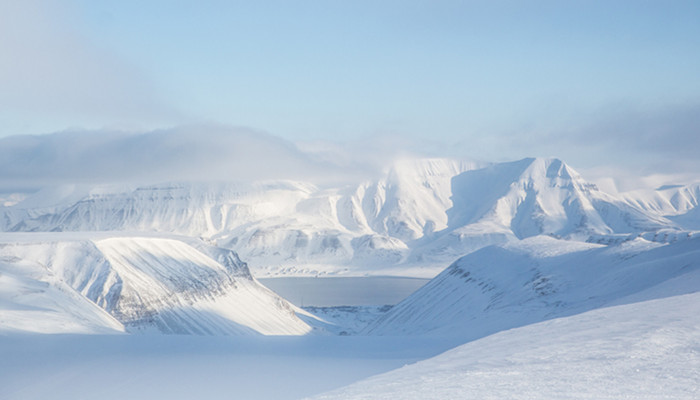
x,y
279,223
644,350
512,201
34,300
678,203
501,287
151,283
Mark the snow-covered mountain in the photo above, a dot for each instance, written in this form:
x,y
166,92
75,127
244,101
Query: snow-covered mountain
x,y
269,223
99,283
679,203
422,213
507,202
501,287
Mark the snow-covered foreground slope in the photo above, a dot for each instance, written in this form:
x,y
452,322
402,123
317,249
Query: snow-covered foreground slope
x,y
502,287
645,350
417,218
148,367
96,283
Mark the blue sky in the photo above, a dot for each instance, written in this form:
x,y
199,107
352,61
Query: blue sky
x,y
496,80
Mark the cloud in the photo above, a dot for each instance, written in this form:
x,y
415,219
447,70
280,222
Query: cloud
x,y
187,153
51,70
635,139
669,130
622,146
641,147
223,153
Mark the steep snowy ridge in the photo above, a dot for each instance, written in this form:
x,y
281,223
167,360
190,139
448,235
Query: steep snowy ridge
x,y
678,203
416,194
501,287
667,200
188,209
508,202
422,213
160,284
538,196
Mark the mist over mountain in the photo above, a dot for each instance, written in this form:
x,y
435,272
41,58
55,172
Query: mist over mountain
x,y
418,213
187,153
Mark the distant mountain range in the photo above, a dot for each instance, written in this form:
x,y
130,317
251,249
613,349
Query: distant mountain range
x,y
533,240
419,217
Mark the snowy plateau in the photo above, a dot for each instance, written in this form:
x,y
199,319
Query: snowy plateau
x,y
541,286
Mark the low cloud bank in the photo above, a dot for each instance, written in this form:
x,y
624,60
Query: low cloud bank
x,y
201,153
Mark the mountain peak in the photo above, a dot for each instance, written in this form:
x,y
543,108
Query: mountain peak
x,y
548,167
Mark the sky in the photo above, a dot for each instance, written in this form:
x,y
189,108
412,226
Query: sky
x,y
612,85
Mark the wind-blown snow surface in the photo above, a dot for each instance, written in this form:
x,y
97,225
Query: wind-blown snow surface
x,y
140,284
645,350
419,217
502,287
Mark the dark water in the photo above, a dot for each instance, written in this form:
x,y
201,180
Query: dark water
x,y
344,291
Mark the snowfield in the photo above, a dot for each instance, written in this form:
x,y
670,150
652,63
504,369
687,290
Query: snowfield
x,y
143,367
645,350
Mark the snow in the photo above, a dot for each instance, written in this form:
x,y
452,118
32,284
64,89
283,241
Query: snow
x,y
501,287
32,302
560,290
645,350
144,283
187,367
345,320
418,217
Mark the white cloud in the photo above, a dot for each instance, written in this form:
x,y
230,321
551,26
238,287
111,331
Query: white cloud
x,y
189,153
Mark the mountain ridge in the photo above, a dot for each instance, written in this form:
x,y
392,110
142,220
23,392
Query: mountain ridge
x,y
423,212
504,286
159,284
